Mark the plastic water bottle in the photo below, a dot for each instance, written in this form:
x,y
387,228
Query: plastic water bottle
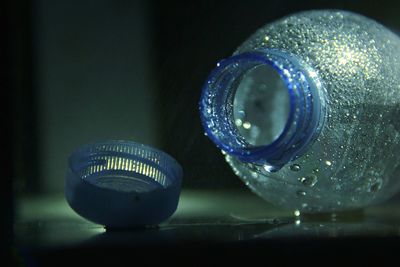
x,y
307,111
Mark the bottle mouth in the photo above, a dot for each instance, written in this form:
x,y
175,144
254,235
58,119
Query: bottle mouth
x,y
260,107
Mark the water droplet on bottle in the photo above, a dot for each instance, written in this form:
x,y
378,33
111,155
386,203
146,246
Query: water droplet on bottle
x,y
316,170
269,168
295,167
309,180
238,122
296,213
246,125
375,186
328,163
301,193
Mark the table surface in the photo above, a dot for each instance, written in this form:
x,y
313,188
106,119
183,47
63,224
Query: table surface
x,y
224,225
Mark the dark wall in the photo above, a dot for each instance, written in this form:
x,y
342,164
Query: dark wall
x,y
92,79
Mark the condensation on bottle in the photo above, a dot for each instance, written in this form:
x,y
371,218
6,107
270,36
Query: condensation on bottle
x,y
306,111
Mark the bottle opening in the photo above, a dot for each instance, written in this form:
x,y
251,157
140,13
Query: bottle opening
x,y
261,105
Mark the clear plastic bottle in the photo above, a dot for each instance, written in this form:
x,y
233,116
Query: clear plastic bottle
x,y
306,111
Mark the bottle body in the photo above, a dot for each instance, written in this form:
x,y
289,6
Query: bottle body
x,y
344,154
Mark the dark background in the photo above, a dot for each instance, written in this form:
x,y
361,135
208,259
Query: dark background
x,y
81,71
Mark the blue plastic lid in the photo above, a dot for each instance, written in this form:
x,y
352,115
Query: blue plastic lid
x,y
123,184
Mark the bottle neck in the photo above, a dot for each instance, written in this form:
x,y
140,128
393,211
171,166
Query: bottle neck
x,y
238,80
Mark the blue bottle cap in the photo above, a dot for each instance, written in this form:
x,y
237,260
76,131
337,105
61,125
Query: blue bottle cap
x,y
123,184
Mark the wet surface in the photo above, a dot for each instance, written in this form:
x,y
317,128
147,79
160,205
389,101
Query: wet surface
x,y
220,223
